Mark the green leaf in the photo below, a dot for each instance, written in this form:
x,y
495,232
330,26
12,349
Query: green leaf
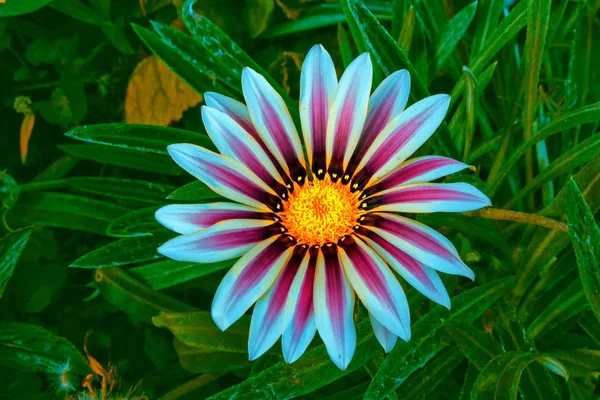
x,y
197,329
323,15
427,378
478,346
80,11
578,155
195,191
199,361
13,8
345,47
163,274
61,210
312,371
407,357
125,251
569,303
500,378
133,224
123,189
258,14
145,138
488,16
197,76
33,348
127,158
134,298
390,58
11,247
581,116
585,237
452,35
579,362
546,244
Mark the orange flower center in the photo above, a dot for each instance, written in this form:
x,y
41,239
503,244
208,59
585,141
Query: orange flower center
x,y
320,212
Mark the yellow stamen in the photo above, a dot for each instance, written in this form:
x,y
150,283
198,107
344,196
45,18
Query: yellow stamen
x,y
320,212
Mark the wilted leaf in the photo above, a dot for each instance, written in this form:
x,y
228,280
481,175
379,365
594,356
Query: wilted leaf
x,y
155,95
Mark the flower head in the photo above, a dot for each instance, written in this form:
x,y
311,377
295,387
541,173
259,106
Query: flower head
x,y
316,225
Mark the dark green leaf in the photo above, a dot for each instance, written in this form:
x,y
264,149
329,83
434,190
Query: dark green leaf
x,y
194,191
127,158
134,298
33,348
259,13
199,361
126,189
407,357
451,36
136,223
81,11
579,362
478,346
64,211
125,251
585,237
12,8
11,247
500,378
163,274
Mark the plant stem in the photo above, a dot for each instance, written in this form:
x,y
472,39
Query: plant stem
x,y
524,218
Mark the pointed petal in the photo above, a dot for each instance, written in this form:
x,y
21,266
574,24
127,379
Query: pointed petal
x,y
268,318
318,83
233,141
250,277
385,337
386,103
417,170
300,321
239,112
423,243
348,114
417,274
400,138
225,176
428,198
222,241
334,305
375,285
190,218
273,123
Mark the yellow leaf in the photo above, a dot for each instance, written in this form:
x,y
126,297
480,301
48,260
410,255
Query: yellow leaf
x,y
26,128
155,95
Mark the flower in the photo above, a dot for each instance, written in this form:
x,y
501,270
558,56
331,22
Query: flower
x,y
315,227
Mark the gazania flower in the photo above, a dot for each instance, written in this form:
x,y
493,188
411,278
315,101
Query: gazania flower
x,y
314,225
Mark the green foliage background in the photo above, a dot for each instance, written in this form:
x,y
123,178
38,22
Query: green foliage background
x,y
78,237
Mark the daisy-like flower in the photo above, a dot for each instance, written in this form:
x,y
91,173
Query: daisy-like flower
x,y
315,225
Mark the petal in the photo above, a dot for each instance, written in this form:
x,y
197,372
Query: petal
x,y
400,138
423,243
334,305
428,198
225,176
249,279
375,285
417,170
300,320
239,113
222,241
418,275
386,103
385,337
190,218
348,114
268,318
273,123
233,141
318,83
